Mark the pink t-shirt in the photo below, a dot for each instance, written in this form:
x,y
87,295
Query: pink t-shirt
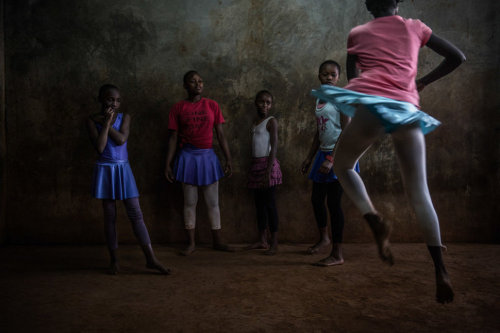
x,y
387,50
194,122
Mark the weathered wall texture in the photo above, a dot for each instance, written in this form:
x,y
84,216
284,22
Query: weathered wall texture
x,y
59,52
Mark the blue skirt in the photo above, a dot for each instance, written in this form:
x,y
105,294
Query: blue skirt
x,y
392,113
197,166
113,180
318,177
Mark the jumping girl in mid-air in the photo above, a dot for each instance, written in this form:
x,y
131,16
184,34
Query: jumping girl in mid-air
x,y
193,120
265,173
383,97
113,178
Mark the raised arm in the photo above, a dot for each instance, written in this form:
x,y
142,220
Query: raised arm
x,y
172,146
121,136
100,139
453,57
228,170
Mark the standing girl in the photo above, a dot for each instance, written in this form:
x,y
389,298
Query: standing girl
x,y
193,120
265,172
330,123
113,178
384,98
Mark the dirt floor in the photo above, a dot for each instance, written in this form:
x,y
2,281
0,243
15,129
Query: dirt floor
x,y
66,289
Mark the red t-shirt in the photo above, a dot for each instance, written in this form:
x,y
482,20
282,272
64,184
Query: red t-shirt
x,y
194,122
387,49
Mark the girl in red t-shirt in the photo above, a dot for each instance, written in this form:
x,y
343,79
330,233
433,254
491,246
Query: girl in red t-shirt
x,y
383,97
191,121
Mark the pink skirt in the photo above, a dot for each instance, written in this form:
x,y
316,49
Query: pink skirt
x,y
258,170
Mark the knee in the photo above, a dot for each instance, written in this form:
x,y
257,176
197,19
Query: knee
x,y
134,213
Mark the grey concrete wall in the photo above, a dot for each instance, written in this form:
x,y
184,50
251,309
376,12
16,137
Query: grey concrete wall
x,y
59,52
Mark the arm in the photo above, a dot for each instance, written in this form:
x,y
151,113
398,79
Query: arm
x,y
121,136
314,148
172,146
100,139
453,57
225,148
272,128
351,69
327,165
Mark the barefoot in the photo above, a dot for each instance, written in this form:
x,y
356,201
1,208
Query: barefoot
x,y
319,247
444,292
272,251
381,230
223,247
114,268
155,264
187,251
257,245
329,261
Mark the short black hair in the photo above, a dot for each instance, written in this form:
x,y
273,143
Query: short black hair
x,y
329,62
105,87
188,75
264,92
377,6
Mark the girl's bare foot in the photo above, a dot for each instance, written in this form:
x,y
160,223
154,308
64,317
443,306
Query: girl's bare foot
x,y
329,261
187,251
114,268
272,251
257,245
381,230
319,247
155,264
444,292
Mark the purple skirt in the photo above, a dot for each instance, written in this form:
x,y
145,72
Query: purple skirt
x,y
113,180
197,166
258,170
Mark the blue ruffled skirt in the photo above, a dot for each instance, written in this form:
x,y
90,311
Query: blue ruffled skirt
x,y
197,166
392,113
318,177
113,180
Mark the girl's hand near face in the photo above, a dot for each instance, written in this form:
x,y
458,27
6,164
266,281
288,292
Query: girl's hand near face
x,y
108,115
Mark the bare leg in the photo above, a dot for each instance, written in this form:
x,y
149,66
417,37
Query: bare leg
x,y
190,202
410,148
444,292
354,141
